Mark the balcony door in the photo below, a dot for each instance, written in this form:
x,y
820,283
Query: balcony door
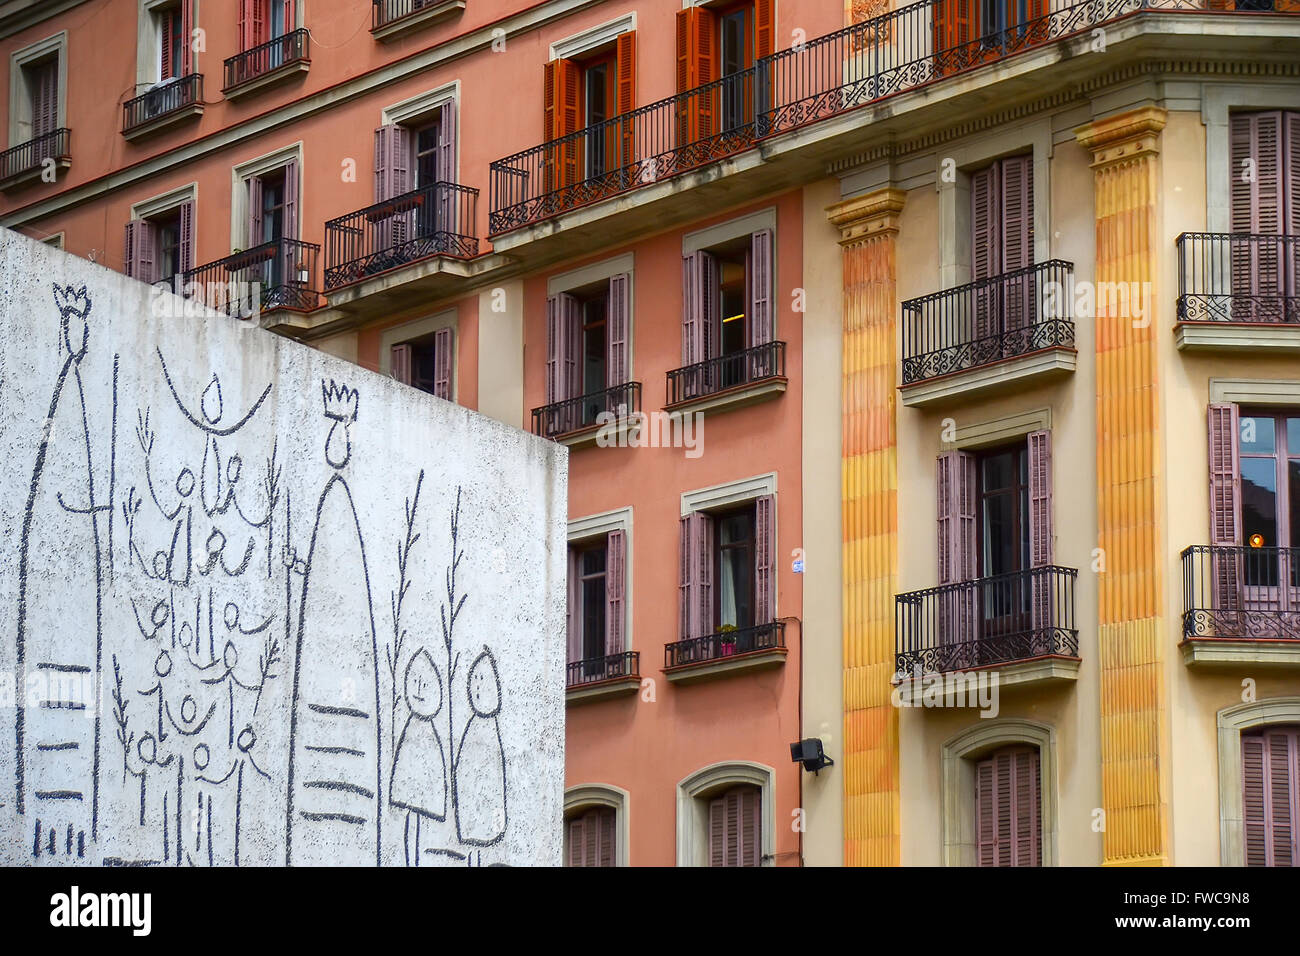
x,y
1005,606
1269,468
1264,161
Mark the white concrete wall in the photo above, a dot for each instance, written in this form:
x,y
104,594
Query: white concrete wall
x,y
228,556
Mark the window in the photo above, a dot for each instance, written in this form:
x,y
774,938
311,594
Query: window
x,y
587,346
597,594
970,32
1004,510
272,202
426,363
1264,206
1255,507
263,20
1270,760
721,44
582,93
1008,808
1002,247
160,246
418,155
735,827
173,42
728,574
591,837
42,81
727,315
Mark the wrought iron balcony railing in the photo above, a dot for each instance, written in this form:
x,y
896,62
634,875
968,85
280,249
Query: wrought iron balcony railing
x,y
274,275
726,371
595,670
286,50
1238,277
28,156
586,411
993,620
434,220
168,97
386,12
824,77
1240,593
721,645
986,321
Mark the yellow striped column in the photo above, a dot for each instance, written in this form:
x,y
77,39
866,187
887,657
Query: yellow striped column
x,y
868,234
1131,632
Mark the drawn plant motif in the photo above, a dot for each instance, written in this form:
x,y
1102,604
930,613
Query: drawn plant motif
x,y
398,597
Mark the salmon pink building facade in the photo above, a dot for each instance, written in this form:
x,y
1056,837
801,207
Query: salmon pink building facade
x,y
874,331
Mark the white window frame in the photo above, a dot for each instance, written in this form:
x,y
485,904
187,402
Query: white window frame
x,y
148,42
588,795
260,166
417,329
20,98
694,793
603,271
596,526
593,38
424,107
957,760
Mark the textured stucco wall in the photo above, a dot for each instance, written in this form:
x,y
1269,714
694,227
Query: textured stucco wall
x,y
226,632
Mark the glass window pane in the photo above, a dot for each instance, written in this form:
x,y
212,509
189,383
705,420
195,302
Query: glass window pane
x,y
1259,501
593,616
1293,483
593,561
1000,544
1257,436
996,471
1293,437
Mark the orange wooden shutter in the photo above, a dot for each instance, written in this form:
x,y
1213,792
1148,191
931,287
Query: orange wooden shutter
x,y
561,87
625,96
765,28
696,67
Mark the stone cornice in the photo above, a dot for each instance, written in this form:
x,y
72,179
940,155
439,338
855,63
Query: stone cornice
x,y
1123,137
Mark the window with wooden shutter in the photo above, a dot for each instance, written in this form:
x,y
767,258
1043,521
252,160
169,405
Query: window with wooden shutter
x,y
573,622
392,161
448,205
956,491
735,827
591,838
400,362
444,356
1225,506
1270,771
760,288
695,586
764,559
696,29
1002,242
1264,197
141,250
625,96
615,591
618,332
43,91
1008,808
561,86
185,245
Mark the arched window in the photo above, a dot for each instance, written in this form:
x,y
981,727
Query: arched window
x,y
1008,808
591,837
735,827
1270,775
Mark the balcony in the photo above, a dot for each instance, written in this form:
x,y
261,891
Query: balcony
x,y
1020,624
855,67
1238,291
267,64
598,677
989,335
1241,605
580,422
728,381
270,277
164,105
723,653
372,252
396,18
27,161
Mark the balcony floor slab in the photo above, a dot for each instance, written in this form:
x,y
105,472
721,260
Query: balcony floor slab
x,y
988,379
1040,671
1212,652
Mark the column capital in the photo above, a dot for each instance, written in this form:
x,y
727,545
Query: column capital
x,y
864,217
1124,136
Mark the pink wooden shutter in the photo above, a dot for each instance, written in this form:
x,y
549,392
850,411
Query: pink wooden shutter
x,y
401,356
45,98
392,162
291,202
986,247
246,19
711,307
615,565
1008,809
165,58
760,288
591,844
571,344
1040,498
254,212
1271,796
731,846
985,814
444,355
141,243
187,37
1256,141
616,364
956,487
290,20
185,241
554,387
1017,193
750,799
718,831
1028,810
764,559
704,572
608,838
692,310
260,33
574,628
685,578
1254,818
448,207
577,840
1225,505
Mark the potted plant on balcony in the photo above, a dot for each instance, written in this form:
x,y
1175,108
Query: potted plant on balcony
x,y
727,640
